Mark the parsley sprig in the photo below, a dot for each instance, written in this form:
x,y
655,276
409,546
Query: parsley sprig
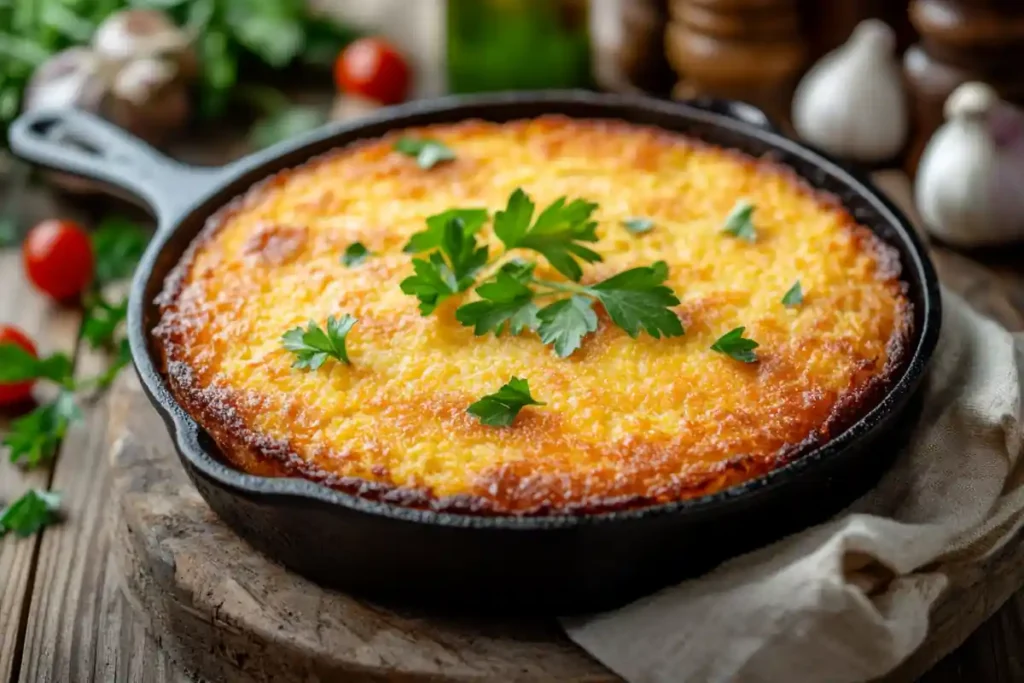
x,y
636,300
734,345
314,345
33,439
428,153
29,513
500,408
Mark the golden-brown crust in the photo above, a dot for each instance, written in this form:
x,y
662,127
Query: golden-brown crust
x,y
639,469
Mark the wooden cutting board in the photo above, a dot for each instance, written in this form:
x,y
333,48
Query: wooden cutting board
x,y
226,613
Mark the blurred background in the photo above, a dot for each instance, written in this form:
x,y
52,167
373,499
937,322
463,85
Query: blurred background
x,y
208,80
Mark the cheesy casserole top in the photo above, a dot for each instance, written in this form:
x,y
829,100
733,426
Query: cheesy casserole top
x,y
625,422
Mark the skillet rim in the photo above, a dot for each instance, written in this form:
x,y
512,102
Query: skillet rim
x,y
188,435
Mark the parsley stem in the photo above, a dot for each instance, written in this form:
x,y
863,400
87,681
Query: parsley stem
x,y
571,287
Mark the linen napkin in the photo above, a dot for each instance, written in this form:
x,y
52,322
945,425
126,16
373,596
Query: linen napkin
x,y
847,601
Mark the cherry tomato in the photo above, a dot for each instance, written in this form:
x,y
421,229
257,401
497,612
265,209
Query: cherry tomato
x,y
58,258
16,393
372,68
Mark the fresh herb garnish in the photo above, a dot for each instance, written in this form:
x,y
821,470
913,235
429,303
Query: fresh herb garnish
x,y
118,244
565,323
34,438
556,234
794,297
314,345
18,365
29,513
428,153
448,271
102,320
638,226
355,254
733,344
425,240
500,408
739,223
636,300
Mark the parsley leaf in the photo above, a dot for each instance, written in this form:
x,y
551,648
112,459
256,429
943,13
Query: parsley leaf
x,y
432,283
428,153
636,299
313,346
29,513
34,437
739,223
449,271
472,221
556,233
106,378
118,244
638,226
500,408
101,320
506,299
18,365
794,297
565,323
733,344
355,254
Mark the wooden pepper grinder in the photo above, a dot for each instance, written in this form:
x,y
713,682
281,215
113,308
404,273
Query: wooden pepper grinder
x,y
748,50
961,41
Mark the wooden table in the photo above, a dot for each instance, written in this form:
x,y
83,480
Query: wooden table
x,y
64,619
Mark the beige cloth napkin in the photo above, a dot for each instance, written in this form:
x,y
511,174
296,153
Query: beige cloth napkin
x,y
817,607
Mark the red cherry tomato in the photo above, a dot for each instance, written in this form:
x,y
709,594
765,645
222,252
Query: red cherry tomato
x,y
371,68
58,258
16,393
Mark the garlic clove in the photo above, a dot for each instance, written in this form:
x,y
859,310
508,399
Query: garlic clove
x,y
140,79
962,189
852,102
74,77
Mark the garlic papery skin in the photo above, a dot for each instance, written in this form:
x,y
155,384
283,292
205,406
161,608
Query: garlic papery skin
x,y
970,186
852,103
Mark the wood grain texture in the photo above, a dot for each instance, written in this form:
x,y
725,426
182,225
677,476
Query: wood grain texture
x,y
54,329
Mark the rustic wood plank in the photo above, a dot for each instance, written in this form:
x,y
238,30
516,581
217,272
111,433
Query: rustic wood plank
x,y
53,329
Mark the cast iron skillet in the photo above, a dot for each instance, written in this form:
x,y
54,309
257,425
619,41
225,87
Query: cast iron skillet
x,y
554,565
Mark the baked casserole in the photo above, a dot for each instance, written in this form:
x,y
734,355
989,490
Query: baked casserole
x,y
624,420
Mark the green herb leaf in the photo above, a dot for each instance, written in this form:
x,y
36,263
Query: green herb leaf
x,y
34,438
500,408
638,226
556,234
794,297
102,320
448,272
636,299
733,344
118,244
739,223
355,254
428,153
472,220
284,125
29,513
105,379
504,300
313,346
566,322
18,365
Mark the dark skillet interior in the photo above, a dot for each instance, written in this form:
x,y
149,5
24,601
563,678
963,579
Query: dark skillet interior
x,y
553,564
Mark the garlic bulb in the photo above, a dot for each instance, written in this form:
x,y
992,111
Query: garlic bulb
x,y
971,175
852,103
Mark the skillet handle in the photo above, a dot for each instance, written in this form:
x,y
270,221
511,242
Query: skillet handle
x,y
735,109
76,142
